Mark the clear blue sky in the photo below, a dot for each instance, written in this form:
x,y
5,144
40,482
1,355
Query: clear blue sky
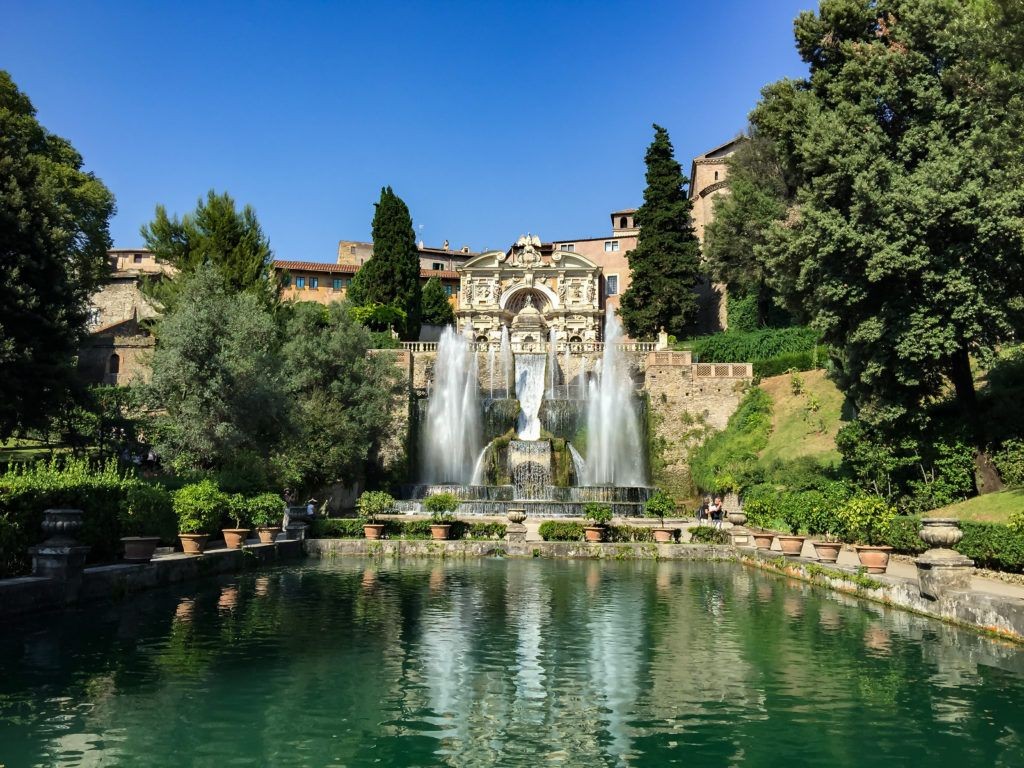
x,y
489,119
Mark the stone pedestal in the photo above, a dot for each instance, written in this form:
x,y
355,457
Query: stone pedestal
x,y
61,557
740,535
296,531
942,570
516,531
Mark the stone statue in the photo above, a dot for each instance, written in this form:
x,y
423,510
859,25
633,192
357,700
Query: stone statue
x,y
590,292
495,291
469,291
561,291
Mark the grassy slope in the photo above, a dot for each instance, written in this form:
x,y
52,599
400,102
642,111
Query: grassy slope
x,y
798,431
990,508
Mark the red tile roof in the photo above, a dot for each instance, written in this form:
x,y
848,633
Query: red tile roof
x,y
350,269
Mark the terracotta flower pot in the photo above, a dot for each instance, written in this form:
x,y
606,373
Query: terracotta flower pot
x,y
438,531
267,535
373,530
139,549
234,538
827,551
791,545
193,543
594,533
763,540
664,535
874,558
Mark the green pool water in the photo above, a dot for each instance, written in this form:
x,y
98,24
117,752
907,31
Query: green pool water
x,y
496,662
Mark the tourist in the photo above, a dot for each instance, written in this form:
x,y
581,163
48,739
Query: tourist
x,y
703,509
717,512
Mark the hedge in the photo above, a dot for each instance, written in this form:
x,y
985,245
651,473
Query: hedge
x,y
767,343
989,545
797,361
352,528
559,530
707,534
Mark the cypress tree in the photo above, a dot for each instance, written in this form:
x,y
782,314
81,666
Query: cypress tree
x,y
665,263
437,310
392,275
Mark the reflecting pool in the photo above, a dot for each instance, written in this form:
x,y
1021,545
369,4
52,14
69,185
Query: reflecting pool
x,y
505,662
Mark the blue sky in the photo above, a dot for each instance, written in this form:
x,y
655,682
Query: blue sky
x,y
488,119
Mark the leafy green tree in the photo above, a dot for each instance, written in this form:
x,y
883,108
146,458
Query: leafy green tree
x,y
340,398
392,275
54,238
905,243
665,265
216,234
216,384
437,310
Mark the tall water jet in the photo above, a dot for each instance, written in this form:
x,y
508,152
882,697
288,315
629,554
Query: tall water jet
x,y
552,363
530,392
490,368
506,358
615,454
452,434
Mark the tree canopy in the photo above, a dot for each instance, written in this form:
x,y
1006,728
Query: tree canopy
x,y
392,274
216,233
54,238
437,309
665,265
905,240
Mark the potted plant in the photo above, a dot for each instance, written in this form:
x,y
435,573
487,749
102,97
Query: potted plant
x,y
370,506
823,520
869,520
659,505
198,507
441,507
599,516
266,512
760,504
238,510
793,515
147,517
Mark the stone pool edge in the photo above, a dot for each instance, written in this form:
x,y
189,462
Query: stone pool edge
x,y
992,614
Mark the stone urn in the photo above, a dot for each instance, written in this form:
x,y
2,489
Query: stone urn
x,y
373,531
664,535
60,556
737,518
268,535
740,536
139,549
440,531
516,531
791,545
940,532
594,534
942,570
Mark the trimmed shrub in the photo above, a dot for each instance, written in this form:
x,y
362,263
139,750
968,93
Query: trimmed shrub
x,y
902,536
867,519
991,545
708,534
790,361
627,533
148,510
265,510
764,344
336,528
372,504
557,530
597,513
441,507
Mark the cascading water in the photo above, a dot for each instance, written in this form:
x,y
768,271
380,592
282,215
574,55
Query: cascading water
x,y
452,434
506,358
490,367
530,392
615,454
579,465
552,364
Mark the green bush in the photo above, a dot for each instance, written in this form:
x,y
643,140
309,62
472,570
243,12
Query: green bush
x,y
902,535
336,528
742,313
372,504
660,505
597,513
238,510
708,534
199,507
626,533
991,545
1009,460
265,510
737,347
790,361
558,530
441,507
25,492
867,519
148,510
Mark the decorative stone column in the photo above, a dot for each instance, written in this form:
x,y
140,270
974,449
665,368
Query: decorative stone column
x,y
942,569
61,556
740,535
516,531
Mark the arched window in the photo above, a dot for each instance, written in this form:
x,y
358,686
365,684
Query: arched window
x,y
623,222
481,339
114,363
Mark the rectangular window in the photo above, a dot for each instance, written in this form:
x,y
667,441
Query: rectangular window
x,y
137,258
611,245
336,284
438,266
300,282
351,249
569,247
611,285
314,283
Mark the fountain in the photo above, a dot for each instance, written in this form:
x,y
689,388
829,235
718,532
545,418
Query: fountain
x,y
529,459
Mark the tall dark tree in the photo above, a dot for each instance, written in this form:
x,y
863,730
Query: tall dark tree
x,y
216,233
54,238
665,265
437,309
905,246
392,275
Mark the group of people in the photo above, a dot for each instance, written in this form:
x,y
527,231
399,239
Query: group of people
x,y
712,510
